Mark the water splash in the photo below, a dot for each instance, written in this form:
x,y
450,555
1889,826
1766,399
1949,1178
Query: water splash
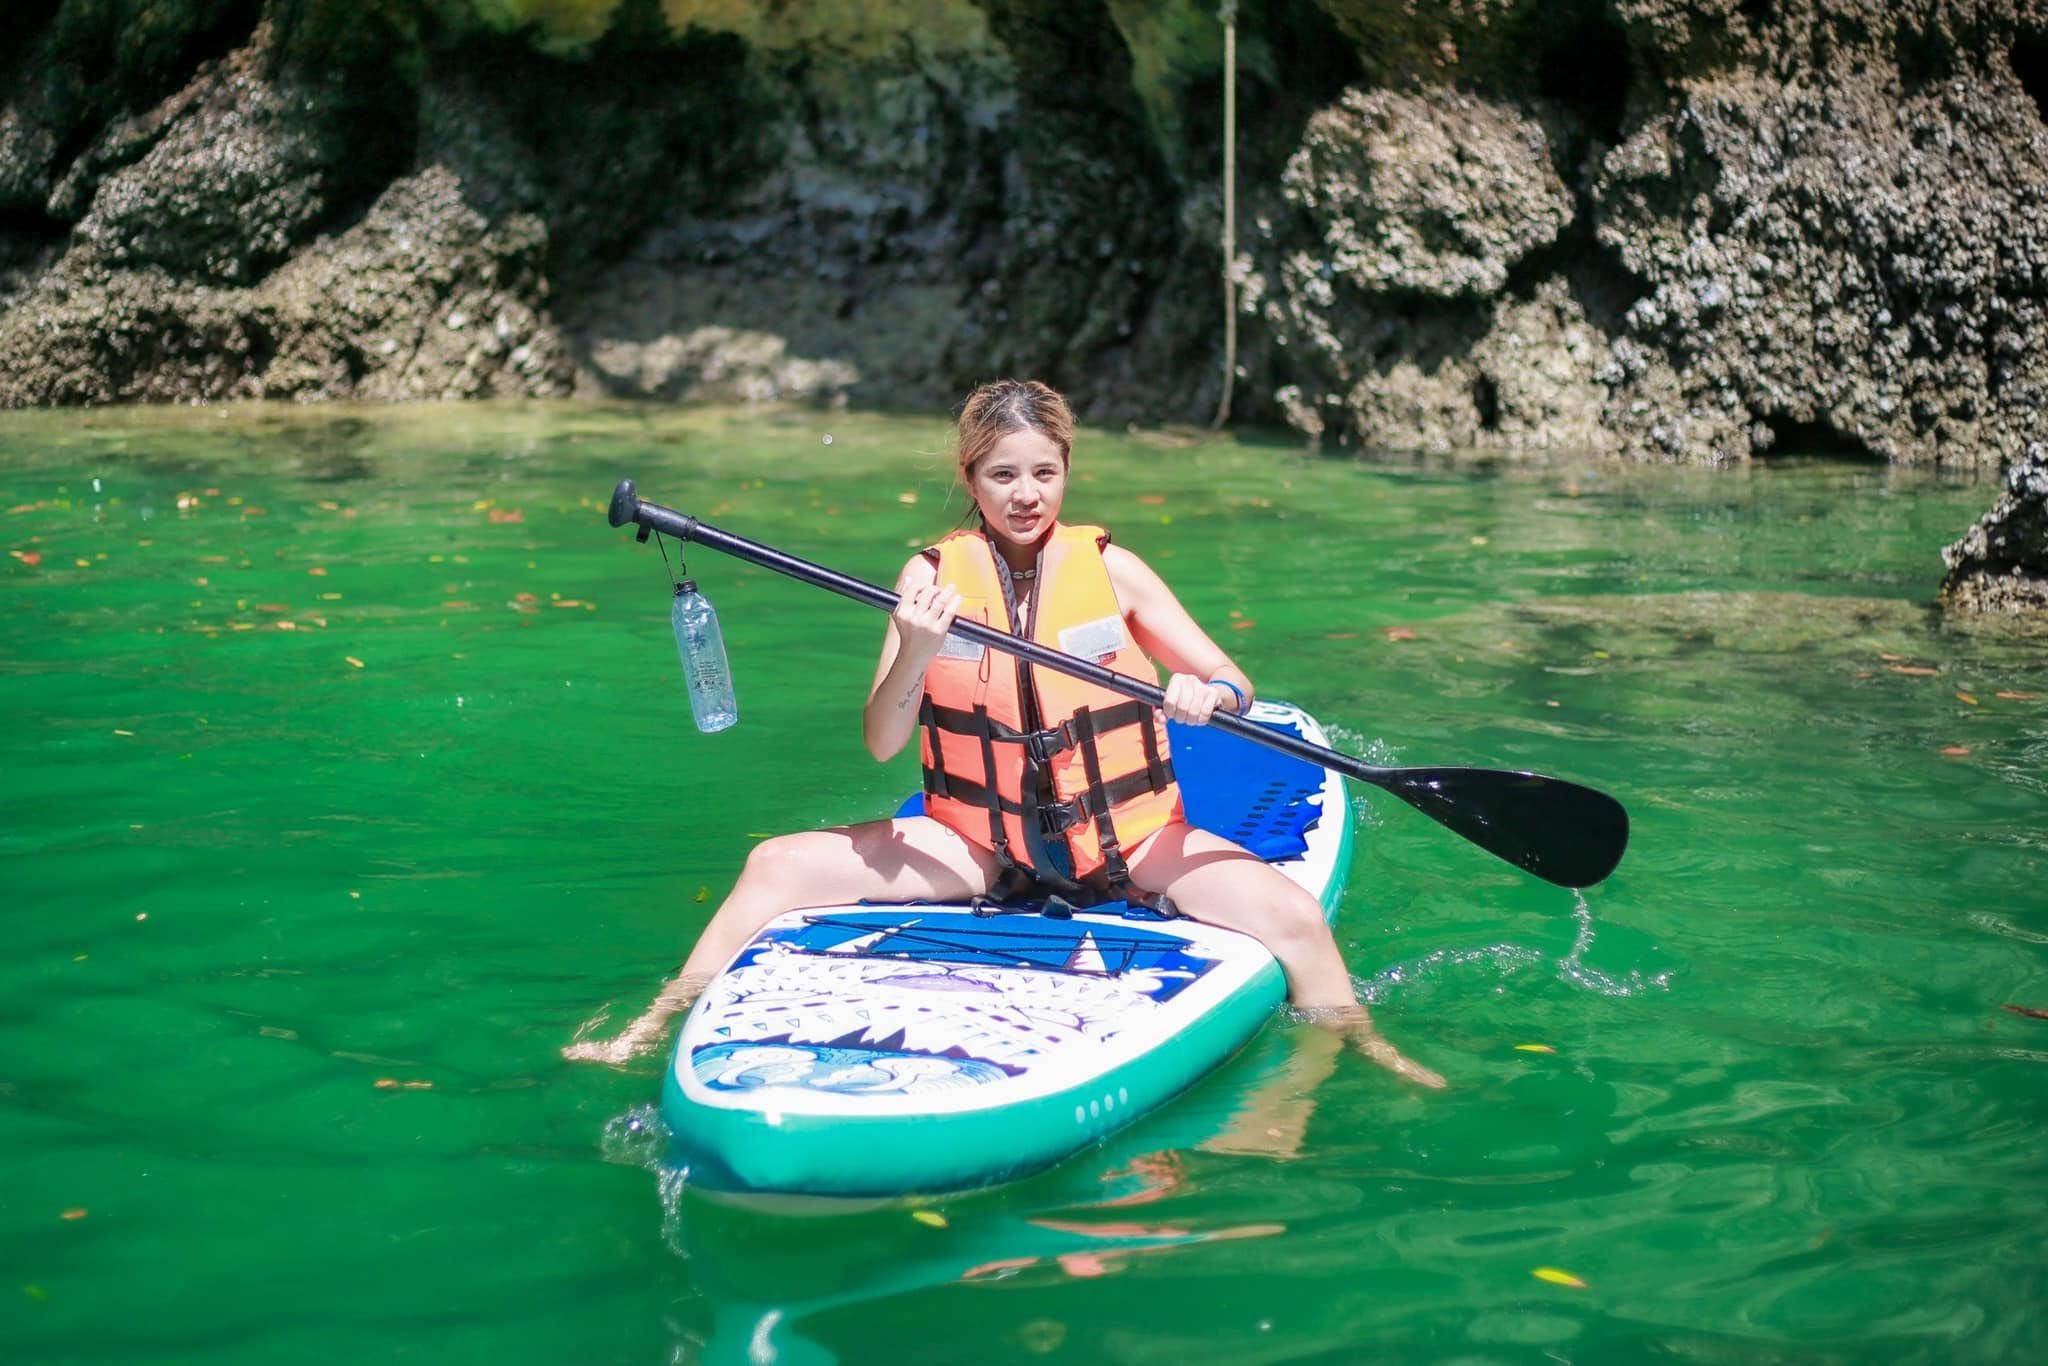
x,y
1508,959
639,1138
1372,750
1573,969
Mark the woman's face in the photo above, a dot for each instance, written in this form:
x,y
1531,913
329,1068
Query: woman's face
x,y
1019,485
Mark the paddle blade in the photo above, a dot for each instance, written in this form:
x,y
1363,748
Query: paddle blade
x,y
1560,831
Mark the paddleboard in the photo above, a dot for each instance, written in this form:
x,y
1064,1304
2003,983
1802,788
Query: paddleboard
x,y
890,1049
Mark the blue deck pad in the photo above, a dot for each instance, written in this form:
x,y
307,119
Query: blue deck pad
x,y
1253,796
1083,947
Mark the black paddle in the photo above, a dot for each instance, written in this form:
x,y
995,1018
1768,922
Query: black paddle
x,y
1562,832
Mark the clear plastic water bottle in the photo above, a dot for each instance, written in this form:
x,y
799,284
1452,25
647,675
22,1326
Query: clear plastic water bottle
x,y
702,646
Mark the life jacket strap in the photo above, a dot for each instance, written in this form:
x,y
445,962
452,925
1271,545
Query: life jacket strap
x,y
1039,745
1113,865
1052,820
999,840
935,781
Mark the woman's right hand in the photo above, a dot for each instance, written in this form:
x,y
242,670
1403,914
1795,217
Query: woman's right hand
x,y
923,615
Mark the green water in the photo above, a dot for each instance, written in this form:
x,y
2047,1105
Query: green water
x,y
299,918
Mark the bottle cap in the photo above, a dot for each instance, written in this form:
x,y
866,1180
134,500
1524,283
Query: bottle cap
x,y
686,586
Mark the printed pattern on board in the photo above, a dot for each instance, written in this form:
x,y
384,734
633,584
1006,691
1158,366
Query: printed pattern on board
x,y
920,1001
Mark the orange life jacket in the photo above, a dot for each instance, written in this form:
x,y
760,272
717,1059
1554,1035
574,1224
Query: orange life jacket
x,y
1029,763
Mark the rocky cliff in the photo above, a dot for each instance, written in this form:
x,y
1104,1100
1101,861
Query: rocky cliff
x,y
1672,229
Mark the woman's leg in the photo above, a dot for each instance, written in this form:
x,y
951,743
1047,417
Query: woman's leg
x,y
913,859
1215,881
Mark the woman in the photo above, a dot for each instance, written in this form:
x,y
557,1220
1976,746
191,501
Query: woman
x,y
1081,795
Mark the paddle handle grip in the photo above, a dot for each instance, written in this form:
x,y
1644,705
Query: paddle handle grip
x,y
627,506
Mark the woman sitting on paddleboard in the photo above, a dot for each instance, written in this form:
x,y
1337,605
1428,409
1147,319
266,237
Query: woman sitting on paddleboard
x,y
1031,777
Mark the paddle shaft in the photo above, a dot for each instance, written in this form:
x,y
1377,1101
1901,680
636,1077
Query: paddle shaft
x,y
1560,831
687,528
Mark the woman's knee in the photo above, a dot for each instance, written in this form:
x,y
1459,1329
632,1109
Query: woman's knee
x,y
777,861
1297,918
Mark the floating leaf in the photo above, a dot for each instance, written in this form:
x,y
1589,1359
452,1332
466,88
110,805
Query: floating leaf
x,y
703,895
1085,1264
2031,1012
1398,632
1534,1048
907,497
31,558
73,1214
386,1083
36,1293
1890,659
1000,1266
505,515
1966,699
119,731
353,661
1915,670
1244,625
318,571
1479,540
1955,751
1556,1276
1340,635
929,1217
1152,499
2018,696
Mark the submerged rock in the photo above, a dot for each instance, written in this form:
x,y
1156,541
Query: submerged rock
x,y
2000,566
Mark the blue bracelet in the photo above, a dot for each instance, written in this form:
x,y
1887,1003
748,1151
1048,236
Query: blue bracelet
x,y
1237,692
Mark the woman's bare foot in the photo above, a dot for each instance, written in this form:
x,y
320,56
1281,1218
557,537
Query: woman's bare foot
x,y
645,1033
1355,1024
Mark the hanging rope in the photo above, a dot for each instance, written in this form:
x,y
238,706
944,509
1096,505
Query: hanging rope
x,y
1228,14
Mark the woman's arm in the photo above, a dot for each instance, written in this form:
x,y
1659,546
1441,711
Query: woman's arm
x,y
916,630
1165,631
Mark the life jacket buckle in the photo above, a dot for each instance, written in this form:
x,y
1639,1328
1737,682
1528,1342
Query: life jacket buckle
x,y
1042,745
1056,818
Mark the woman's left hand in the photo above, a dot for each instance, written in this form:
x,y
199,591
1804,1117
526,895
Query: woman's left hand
x,y
1190,701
